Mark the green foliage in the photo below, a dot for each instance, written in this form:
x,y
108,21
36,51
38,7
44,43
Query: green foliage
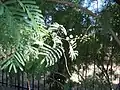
x,y
33,48
15,62
28,44
22,23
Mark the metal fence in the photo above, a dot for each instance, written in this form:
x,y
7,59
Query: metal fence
x,y
19,81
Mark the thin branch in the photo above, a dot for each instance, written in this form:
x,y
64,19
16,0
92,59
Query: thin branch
x,y
66,65
78,72
105,74
60,74
56,81
77,6
115,37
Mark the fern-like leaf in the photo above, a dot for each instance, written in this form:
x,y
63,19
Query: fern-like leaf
x,y
15,63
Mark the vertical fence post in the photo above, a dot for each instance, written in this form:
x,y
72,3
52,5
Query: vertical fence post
x,y
50,86
119,84
10,79
18,80
6,79
27,82
2,77
32,81
22,80
38,85
27,85
44,81
15,81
